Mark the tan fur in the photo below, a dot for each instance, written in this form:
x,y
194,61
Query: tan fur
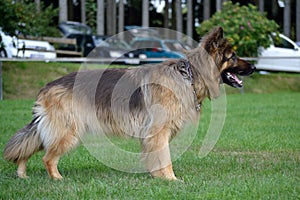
x,y
162,102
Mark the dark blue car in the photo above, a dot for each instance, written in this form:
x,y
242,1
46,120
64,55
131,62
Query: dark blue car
x,y
154,48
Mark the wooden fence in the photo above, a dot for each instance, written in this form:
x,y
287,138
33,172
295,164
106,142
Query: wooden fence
x,y
54,40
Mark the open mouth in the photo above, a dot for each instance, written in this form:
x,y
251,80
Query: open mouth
x,y
231,79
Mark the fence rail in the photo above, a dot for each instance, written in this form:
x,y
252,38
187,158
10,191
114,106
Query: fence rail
x,y
50,39
55,40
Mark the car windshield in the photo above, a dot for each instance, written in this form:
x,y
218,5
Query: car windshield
x,y
174,46
75,28
282,43
116,43
146,44
143,32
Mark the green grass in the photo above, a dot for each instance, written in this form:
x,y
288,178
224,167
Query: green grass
x,y
256,157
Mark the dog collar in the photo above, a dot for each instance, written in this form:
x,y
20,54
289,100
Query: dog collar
x,y
188,69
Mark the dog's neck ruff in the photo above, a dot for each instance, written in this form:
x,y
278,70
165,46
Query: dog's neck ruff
x,y
188,69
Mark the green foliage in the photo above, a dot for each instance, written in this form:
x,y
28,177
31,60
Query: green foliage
x,y
245,27
23,16
91,12
34,23
8,15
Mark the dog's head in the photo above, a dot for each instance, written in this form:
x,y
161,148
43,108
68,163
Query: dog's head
x,y
217,62
226,59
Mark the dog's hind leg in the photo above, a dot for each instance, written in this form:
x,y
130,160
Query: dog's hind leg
x,y
54,152
156,154
22,168
51,161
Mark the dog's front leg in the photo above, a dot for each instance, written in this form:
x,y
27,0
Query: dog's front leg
x,y
156,154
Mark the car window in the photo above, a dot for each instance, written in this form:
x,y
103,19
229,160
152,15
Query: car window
x,y
146,44
282,43
116,43
174,46
76,28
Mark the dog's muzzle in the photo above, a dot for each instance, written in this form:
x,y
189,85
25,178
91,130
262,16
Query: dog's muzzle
x,y
230,76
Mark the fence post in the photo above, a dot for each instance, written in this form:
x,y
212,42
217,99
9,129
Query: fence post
x,y
1,92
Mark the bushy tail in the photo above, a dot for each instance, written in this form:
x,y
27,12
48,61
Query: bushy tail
x,y
23,144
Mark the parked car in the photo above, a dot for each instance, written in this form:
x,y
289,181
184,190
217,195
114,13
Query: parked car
x,y
175,45
83,35
281,47
13,47
154,48
133,32
84,43
7,45
35,49
98,39
70,27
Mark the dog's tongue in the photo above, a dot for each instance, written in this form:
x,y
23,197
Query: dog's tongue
x,y
240,82
234,78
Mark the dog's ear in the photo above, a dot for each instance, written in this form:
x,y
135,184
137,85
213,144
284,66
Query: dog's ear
x,y
213,40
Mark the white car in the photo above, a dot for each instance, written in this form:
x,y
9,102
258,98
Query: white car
x,y
35,49
8,44
14,47
282,55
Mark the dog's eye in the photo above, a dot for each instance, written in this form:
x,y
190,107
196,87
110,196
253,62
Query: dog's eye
x,y
232,57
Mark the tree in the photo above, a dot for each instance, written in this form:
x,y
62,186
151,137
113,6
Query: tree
x,y
63,10
91,13
83,13
218,5
287,18
100,17
145,13
245,27
8,15
38,5
178,18
206,9
111,17
31,22
22,17
121,16
166,14
189,21
261,6
298,21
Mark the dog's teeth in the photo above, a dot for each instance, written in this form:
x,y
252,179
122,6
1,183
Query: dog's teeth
x,y
229,75
234,78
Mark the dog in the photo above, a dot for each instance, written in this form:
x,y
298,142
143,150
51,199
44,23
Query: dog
x,y
151,102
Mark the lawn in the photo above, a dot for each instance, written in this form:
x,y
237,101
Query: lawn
x,y
256,157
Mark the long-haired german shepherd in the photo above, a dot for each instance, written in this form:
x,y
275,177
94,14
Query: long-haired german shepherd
x,y
88,101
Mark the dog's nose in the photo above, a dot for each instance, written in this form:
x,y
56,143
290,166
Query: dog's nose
x,y
253,67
